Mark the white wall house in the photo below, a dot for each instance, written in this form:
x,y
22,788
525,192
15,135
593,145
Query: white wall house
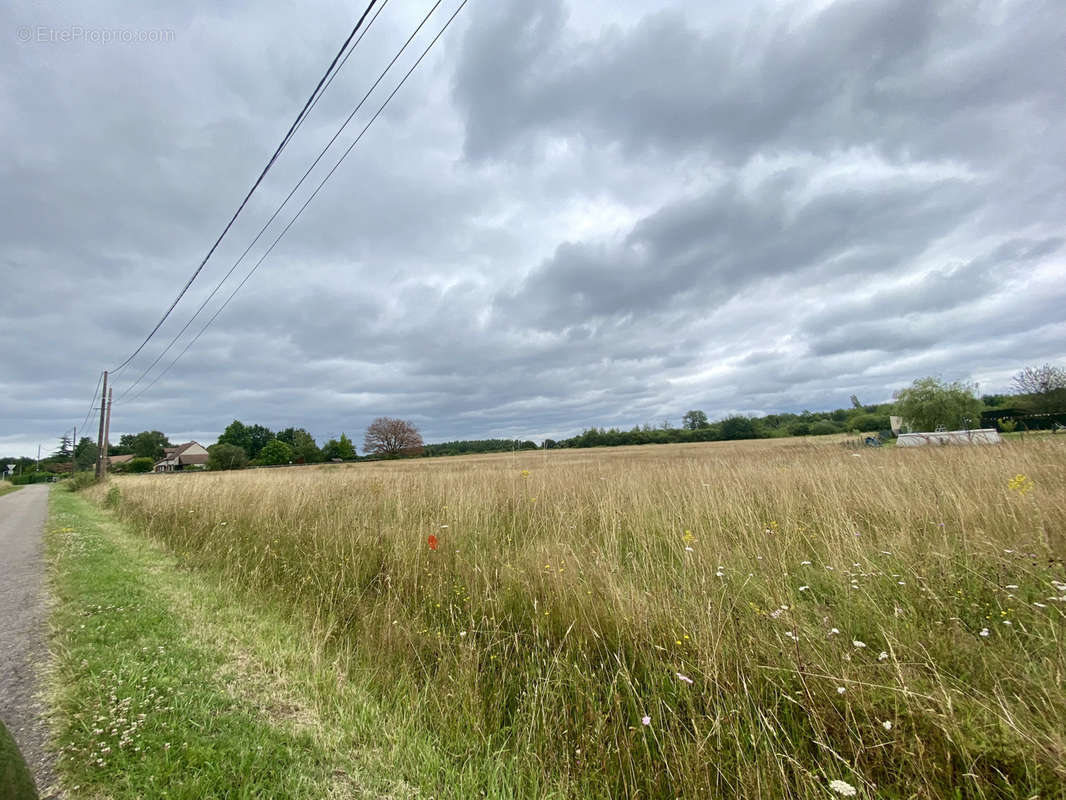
x,y
191,455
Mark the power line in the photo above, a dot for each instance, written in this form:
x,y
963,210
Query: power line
x,y
306,202
293,191
288,135
91,402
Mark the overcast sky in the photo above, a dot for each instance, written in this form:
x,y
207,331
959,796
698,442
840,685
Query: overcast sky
x,y
575,213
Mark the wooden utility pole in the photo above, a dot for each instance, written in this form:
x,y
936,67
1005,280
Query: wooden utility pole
x,y
107,430
100,453
73,452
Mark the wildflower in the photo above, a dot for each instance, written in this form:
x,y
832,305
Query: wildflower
x,y
525,473
689,550
841,690
688,538
984,632
645,720
843,788
444,526
804,588
887,724
834,631
857,644
1020,484
1011,586
684,678
805,563
1039,605
882,656
432,541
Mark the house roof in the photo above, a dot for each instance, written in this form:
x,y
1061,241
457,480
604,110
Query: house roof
x,y
178,454
120,459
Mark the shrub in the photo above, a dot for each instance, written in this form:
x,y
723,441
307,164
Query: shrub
x,y
822,427
140,465
81,480
226,456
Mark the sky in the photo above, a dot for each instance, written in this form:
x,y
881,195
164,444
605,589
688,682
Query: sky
x,y
572,214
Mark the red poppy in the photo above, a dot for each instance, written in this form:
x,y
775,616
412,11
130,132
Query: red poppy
x,y
432,542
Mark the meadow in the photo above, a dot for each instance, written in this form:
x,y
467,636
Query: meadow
x,y
759,619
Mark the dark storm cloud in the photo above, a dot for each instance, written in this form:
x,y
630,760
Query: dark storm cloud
x,y
574,215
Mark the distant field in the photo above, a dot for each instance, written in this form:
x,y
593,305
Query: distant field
x,y
744,619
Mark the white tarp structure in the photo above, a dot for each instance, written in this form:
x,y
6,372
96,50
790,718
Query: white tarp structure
x,y
981,436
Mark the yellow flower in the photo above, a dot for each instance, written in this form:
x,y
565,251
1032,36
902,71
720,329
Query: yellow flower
x,y
1020,484
525,473
688,538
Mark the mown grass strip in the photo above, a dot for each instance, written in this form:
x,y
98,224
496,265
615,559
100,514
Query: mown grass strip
x,y
7,488
138,707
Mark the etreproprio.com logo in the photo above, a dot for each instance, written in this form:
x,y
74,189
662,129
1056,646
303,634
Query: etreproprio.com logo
x,y
69,34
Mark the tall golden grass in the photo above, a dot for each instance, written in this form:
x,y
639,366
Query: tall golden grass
x,y
743,620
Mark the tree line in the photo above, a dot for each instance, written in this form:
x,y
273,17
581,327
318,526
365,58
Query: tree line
x,y
1036,400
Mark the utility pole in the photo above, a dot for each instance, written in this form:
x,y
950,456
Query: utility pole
x,y
73,452
107,429
100,453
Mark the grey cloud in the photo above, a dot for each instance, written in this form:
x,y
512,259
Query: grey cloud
x,y
910,77
700,253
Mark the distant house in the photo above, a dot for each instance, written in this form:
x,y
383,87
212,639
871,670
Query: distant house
x,y
114,461
191,455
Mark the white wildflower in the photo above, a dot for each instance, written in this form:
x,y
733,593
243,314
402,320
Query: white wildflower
x,y
883,656
684,678
857,644
843,788
804,588
841,690
984,632
887,724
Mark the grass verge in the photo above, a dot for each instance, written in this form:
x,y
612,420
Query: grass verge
x,y
163,685
7,488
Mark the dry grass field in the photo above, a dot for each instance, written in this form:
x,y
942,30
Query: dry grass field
x,y
772,619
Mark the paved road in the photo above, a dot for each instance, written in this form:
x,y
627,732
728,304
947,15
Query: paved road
x,y
22,623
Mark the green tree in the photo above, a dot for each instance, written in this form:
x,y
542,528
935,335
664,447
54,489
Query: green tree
x,y
342,448
236,434
66,447
85,453
226,456
140,464
275,452
304,448
737,427
930,403
146,444
694,420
